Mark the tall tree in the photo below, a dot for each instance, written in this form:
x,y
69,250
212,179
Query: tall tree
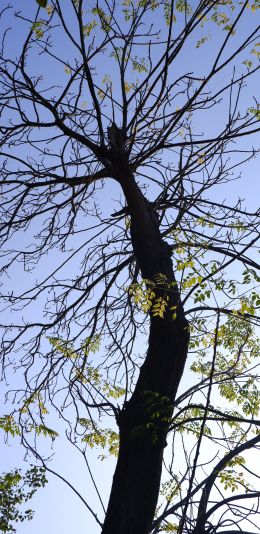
x,y
134,100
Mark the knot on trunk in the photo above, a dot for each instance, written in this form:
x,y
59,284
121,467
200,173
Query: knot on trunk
x,y
146,416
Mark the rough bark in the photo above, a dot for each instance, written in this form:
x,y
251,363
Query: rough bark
x,y
144,421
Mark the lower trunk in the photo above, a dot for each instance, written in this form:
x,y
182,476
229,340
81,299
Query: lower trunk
x,y
143,427
145,419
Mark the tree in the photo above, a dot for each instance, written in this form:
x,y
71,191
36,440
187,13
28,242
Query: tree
x,y
13,495
103,102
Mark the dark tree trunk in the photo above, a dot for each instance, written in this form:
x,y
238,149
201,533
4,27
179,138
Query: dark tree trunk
x,y
144,421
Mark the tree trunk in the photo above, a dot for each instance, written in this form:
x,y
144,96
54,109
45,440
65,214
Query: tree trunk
x,y
144,421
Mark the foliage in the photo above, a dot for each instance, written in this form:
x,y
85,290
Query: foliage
x,y
16,490
42,3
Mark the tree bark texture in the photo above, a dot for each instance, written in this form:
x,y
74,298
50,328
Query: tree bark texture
x,y
144,421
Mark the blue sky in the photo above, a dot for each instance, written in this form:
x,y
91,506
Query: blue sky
x,y
56,507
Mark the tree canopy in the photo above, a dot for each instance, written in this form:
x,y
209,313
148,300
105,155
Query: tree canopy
x,y
129,258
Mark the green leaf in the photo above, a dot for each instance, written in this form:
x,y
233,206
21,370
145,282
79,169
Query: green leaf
x,y
45,431
9,425
42,3
15,490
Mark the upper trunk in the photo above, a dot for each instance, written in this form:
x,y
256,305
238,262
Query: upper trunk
x,y
144,420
